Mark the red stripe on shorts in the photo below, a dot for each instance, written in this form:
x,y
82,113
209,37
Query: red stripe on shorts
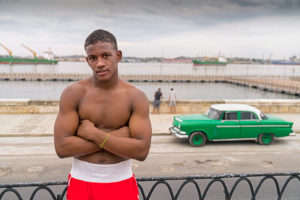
x,y
122,190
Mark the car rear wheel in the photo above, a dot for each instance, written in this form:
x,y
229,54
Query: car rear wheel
x,y
197,139
265,139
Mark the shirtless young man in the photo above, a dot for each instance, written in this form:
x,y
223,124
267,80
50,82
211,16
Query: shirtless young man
x,y
102,111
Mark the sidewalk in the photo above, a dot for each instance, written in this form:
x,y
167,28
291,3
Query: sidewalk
x,y
13,125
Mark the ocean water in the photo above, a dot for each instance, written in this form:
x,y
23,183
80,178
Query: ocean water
x,y
185,91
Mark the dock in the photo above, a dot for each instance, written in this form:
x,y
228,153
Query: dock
x,y
282,84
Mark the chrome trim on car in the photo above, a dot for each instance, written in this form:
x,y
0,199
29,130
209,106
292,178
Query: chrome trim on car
x,y
181,136
227,120
177,133
292,134
251,126
178,119
275,125
175,128
238,139
237,126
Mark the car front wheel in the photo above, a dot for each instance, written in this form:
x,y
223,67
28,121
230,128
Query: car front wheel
x,y
197,139
265,139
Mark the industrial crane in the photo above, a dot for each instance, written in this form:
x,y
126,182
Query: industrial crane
x,y
33,52
7,49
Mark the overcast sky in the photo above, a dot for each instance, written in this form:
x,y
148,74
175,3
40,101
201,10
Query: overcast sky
x,y
155,28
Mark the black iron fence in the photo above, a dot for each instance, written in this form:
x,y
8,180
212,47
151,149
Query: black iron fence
x,y
228,186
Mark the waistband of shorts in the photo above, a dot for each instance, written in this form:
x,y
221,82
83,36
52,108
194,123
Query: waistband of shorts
x,y
99,173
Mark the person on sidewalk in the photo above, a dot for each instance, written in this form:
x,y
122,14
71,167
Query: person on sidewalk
x,y
158,95
172,100
103,123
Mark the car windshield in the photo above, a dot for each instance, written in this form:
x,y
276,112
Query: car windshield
x,y
263,116
213,114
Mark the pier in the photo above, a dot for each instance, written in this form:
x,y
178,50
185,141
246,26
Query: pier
x,y
282,84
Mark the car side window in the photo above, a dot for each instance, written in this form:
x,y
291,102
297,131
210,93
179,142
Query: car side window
x,y
253,116
248,116
230,116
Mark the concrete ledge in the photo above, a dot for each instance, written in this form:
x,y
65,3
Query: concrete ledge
x,y
265,105
27,106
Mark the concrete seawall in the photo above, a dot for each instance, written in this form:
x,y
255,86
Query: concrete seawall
x,y
27,106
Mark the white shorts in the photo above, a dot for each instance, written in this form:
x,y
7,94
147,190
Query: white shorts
x,y
107,182
99,173
172,103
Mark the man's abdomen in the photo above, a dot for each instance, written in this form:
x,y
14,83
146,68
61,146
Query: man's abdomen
x,y
102,157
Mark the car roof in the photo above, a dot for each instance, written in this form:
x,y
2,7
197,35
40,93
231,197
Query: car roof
x,y
235,107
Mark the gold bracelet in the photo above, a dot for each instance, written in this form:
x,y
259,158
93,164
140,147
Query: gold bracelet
x,y
106,137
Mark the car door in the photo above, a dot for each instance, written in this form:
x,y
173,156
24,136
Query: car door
x,y
250,125
229,126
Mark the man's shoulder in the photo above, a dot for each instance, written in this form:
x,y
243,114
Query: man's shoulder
x,y
136,97
76,89
77,86
133,91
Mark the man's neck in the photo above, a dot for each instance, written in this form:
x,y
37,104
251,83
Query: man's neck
x,y
105,84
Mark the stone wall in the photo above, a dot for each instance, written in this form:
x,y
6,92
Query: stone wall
x,y
27,106
265,105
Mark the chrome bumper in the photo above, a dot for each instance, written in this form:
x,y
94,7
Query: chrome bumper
x,y
292,134
177,133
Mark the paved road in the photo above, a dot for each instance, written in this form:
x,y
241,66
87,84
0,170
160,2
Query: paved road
x,y
32,159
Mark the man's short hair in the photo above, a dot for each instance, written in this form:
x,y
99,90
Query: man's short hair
x,y
102,36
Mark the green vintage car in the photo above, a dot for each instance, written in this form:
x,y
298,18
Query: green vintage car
x,y
230,122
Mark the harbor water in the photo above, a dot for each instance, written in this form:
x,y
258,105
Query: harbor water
x,y
185,91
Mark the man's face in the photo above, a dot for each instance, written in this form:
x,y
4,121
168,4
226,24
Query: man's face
x,y
103,60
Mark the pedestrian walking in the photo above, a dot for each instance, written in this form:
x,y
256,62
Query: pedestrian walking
x,y
158,95
172,100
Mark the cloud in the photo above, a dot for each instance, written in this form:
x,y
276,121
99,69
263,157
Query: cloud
x,y
158,24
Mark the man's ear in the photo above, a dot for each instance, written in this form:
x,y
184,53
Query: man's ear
x,y
87,60
119,55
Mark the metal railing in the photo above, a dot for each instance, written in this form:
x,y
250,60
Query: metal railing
x,y
176,185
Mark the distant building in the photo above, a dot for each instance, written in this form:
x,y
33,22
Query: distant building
x,y
176,60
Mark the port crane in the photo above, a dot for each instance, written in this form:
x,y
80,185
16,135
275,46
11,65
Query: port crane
x,y
7,49
33,52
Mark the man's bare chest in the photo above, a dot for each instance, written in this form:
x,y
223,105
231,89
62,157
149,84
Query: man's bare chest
x,y
107,111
